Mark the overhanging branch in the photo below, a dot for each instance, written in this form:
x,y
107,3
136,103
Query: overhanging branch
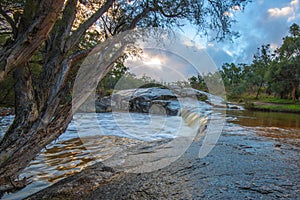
x,y
10,21
87,24
27,43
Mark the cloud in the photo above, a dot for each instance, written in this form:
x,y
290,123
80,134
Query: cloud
x,y
232,11
229,53
274,46
219,55
256,27
229,14
260,2
278,12
289,11
295,2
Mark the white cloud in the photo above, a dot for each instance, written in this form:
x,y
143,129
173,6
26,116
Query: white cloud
x,y
232,11
229,14
295,3
273,46
236,8
278,12
289,11
229,53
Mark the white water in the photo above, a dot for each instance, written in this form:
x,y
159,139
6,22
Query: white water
x,y
91,138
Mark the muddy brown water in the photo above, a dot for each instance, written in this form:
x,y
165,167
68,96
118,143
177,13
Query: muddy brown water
x,y
253,134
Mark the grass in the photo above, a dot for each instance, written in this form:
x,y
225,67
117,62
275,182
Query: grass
x,y
278,107
268,103
276,100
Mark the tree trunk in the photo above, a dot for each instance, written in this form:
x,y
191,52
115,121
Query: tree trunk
x,y
36,23
44,107
293,91
33,137
258,90
38,121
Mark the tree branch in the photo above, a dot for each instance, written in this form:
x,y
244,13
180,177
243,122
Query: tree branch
x,y
87,24
10,21
65,71
62,29
137,18
161,10
27,43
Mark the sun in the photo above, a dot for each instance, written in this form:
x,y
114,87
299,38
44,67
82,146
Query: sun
x,y
153,61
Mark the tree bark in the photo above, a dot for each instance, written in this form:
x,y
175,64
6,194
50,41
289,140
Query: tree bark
x,y
293,91
43,110
30,38
32,139
258,90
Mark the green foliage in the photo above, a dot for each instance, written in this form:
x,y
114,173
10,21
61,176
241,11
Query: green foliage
x,y
119,78
198,83
275,73
279,107
284,75
269,99
234,79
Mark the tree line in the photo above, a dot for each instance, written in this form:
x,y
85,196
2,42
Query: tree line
x,y
272,72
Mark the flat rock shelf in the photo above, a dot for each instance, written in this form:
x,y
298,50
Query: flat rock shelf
x,y
241,166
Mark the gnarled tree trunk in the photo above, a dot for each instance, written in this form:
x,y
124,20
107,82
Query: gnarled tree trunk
x,y
29,133
43,107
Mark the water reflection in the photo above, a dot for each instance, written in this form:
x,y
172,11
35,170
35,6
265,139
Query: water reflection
x,y
268,124
64,157
68,155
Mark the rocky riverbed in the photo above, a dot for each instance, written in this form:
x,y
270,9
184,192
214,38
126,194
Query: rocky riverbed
x,y
156,100
143,153
242,165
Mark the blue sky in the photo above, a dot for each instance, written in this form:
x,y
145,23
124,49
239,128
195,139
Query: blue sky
x,y
261,22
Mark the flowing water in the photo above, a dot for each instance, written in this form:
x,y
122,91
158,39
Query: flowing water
x,y
72,152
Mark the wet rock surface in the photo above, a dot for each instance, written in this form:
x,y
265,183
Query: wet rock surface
x,y
6,111
167,101
241,166
145,100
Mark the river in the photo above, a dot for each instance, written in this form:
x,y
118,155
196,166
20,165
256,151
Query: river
x,y
72,152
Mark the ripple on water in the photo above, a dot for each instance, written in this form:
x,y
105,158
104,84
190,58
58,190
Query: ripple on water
x,y
69,154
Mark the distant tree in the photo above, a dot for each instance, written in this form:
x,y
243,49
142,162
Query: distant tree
x,y
233,76
197,82
290,59
108,82
261,64
284,76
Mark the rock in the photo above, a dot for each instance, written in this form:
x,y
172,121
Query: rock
x,y
7,111
146,100
103,104
154,100
234,107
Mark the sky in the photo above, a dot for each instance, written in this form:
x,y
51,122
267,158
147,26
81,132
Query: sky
x,y
170,58
187,54
261,22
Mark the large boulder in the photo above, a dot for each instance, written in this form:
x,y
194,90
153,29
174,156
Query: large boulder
x,y
146,100
155,100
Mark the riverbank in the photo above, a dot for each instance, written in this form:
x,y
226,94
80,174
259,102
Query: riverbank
x,y
273,107
243,165
267,104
